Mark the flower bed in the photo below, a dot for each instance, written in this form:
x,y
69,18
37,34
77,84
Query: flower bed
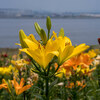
x,y
53,69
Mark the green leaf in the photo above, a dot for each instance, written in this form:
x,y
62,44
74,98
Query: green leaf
x,y
89,97
97,91
61,33
90,92
36,87
57,99
38,96
53,83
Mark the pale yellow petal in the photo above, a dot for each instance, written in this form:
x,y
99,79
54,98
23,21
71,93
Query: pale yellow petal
x,y
32,38
67,52
17,44
52,45
80,48
30,44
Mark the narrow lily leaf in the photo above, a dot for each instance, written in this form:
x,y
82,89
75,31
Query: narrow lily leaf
x,y
89,97
38,96
9,86
36,87
53,83
37,28
61,33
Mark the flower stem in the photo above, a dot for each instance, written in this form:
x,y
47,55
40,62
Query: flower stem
x,y
12,96
24,94
36,66
98,73
65,93
47,89
48,34
19,74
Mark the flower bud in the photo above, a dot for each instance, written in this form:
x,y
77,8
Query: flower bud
x,y
37,28
43,36
48,23
22,36
41,33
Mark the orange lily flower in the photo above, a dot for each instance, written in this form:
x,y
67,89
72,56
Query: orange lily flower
x,y
82,59
5,85
62,71
78,83
19,88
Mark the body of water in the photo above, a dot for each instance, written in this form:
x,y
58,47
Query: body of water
x,y
78,30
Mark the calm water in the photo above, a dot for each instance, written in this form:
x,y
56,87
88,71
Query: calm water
x,y
78,30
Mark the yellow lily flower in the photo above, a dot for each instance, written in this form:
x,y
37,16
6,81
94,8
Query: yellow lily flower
x,y
61,47
41,54
66,50
92,53
60,73
19,87
6,70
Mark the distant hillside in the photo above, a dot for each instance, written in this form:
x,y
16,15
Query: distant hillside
x,y
17,13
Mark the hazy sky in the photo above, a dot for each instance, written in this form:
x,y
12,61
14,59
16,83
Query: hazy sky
x,y
53,5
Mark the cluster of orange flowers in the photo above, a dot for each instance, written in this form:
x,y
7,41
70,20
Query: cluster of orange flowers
x,y
80,63
77,84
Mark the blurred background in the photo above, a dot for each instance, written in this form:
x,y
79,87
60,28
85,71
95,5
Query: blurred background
x,y
79,18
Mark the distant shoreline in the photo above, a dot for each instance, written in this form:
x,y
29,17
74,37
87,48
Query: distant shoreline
x,y
11,51
21,13
50,17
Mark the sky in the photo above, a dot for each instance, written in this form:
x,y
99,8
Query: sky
x,y
53,5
